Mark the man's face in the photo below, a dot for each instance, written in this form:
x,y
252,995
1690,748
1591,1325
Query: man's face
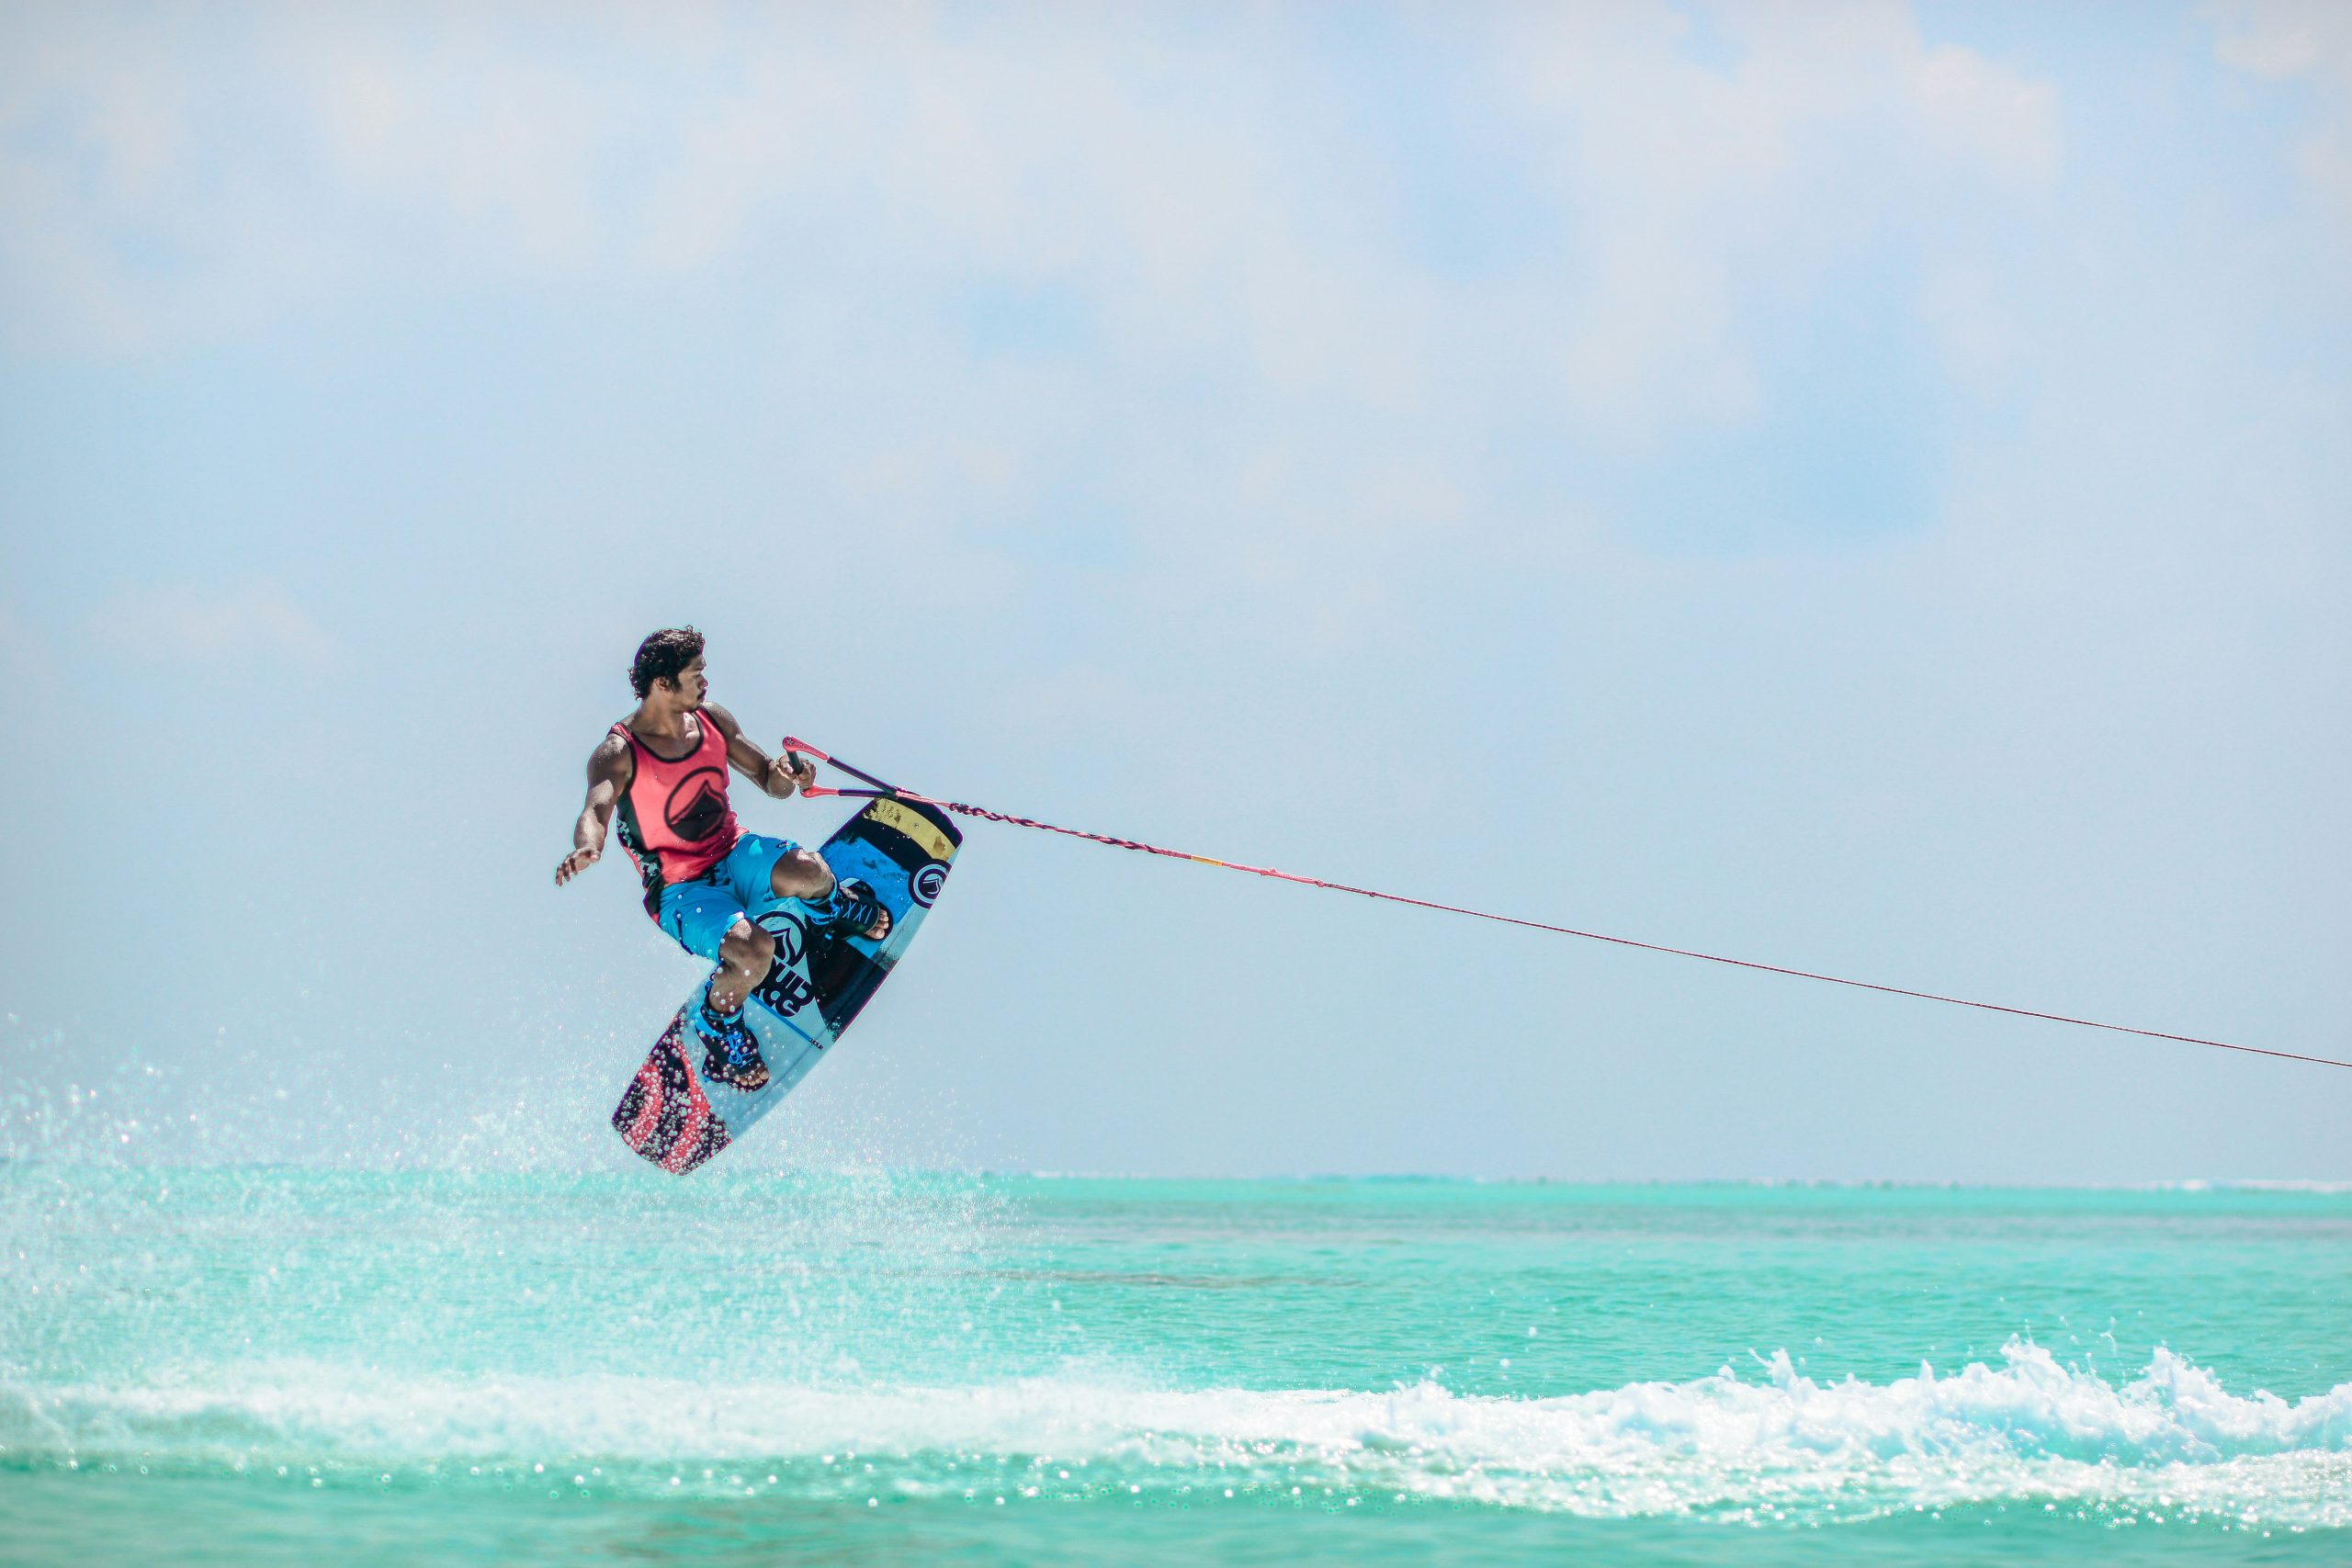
x,y
692,684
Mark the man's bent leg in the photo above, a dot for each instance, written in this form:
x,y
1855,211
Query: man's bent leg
x,y
743,958
760,873
710,922
730,1054
835,904
801,873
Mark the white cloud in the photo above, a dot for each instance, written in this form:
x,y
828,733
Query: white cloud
x,y
1206,182
1200,182
180,622
482,129
1689,178
2293,39
2287,38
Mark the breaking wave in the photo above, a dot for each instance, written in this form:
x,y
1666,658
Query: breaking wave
x,y
1775,1444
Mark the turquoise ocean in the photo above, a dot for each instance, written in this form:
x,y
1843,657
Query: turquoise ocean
x,y
249,1364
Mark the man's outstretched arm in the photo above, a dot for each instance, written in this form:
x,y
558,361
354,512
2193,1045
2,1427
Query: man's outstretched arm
x,y
609,768
773,774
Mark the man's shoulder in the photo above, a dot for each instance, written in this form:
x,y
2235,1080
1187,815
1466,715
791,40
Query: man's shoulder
x,y
725,721
611,753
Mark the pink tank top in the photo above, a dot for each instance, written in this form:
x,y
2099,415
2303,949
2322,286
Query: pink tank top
x,y
674,819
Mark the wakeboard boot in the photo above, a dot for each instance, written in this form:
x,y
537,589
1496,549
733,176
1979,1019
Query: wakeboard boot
x,y
731,1053
853,908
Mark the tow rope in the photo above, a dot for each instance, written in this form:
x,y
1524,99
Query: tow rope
x,y
801,747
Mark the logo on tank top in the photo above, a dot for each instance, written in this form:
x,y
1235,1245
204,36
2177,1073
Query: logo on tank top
x,y
697,805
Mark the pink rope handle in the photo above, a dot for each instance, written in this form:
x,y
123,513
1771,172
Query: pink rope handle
x,y
962,809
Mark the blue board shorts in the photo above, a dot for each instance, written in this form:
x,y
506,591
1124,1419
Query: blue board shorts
x,y
701,912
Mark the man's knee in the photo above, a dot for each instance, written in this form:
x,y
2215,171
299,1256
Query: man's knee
x,y
801,873
748,948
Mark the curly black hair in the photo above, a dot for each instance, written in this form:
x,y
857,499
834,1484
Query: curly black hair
x,y
663,655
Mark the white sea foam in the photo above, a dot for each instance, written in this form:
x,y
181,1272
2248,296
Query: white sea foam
x,y
2028,1429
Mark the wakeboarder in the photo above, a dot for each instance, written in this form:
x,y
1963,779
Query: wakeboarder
x,y
663,771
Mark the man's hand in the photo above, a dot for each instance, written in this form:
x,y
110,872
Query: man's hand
x,y
575,862
803,776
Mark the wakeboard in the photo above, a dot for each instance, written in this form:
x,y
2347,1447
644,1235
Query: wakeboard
x,y
677,1116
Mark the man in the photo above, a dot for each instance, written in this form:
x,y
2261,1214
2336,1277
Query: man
x,y
664,769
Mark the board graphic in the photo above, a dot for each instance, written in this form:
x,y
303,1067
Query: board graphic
x,y
674,1115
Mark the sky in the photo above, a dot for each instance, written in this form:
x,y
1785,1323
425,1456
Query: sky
x,y
1858,487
